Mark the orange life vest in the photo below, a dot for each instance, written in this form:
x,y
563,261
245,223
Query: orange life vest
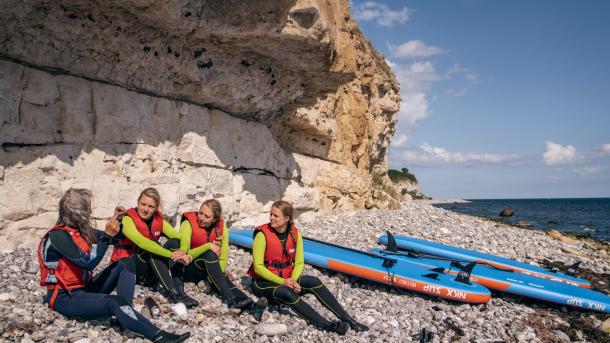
x,y
199,234
125,247
62,274
279,259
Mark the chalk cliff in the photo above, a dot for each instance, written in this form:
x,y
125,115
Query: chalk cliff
x,y
244,101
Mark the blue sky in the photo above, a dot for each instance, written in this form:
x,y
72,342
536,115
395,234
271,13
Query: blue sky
x,y
500,99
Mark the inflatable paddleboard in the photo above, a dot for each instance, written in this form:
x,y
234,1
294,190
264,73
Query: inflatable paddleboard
x,y
513,282
379,268
448,251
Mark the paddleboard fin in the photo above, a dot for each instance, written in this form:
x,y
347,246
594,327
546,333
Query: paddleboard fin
x,y
464,274
438,270
431,276
391,246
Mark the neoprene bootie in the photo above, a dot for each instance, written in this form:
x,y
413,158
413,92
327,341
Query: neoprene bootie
x,y
354,325
175,298
168,337
340,327
258,308
188,301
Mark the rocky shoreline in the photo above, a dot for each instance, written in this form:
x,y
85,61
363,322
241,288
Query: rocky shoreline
x,y
394,315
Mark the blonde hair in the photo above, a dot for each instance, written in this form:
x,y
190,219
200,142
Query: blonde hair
x,y
75,212
152,193
214,206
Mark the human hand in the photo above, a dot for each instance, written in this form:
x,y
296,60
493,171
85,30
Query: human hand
x,y
292,284
119,212
185,259
177,254
215,248
112,227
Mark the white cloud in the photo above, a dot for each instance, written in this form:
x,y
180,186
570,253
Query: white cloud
x,y
414,49
430,155
414,80
557,154
381,13
468,73
606,148
399,140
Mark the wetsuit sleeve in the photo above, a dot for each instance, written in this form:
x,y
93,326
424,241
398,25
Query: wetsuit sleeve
x,y
195,252
258,259
299,261
130,231
186,231
169,231
224,249
64,245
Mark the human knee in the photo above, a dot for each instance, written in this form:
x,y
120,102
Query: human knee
x,y
172,244
128,264
285,294
307,281
209,255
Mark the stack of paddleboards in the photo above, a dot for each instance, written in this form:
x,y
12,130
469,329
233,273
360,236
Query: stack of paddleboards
x,y
445,271
496,273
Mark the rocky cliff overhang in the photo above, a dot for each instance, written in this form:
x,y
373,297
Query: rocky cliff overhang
x,y
284,98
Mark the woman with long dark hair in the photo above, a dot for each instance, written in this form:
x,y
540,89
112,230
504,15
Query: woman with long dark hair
x,y
67,257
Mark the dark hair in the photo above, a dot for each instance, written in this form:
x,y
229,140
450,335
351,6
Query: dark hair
x,y
75,212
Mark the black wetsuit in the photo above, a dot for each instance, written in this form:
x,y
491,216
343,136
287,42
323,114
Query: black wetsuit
x,y
207,266
281,294
94,301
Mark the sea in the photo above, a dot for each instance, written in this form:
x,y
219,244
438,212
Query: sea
x,y
586,216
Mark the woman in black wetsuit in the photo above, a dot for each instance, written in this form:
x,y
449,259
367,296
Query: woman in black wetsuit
x,y
139,248
276,271
204,237
67,257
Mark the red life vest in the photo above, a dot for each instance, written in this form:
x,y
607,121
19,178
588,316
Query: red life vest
x,y
125,247
199,234
62,274
279,259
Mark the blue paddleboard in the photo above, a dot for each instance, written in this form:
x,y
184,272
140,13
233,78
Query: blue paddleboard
x,y
514,282
448,251
379,268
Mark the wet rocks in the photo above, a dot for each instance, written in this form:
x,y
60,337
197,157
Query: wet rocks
x,y
507,212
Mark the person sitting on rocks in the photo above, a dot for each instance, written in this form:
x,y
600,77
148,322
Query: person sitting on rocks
x,y
277,255
141,229
205,238
67,259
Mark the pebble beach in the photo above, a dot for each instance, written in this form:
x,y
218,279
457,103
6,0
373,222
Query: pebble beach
x,y
393,315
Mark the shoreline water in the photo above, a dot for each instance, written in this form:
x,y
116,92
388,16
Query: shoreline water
x,y
394,315
582,216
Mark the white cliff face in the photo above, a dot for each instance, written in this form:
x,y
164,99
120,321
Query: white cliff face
x,y
245,102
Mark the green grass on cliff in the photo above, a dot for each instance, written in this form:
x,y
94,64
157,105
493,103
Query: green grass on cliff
x,y
396,175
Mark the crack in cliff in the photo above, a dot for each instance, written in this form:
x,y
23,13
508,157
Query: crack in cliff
x,y
59,71
241,170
